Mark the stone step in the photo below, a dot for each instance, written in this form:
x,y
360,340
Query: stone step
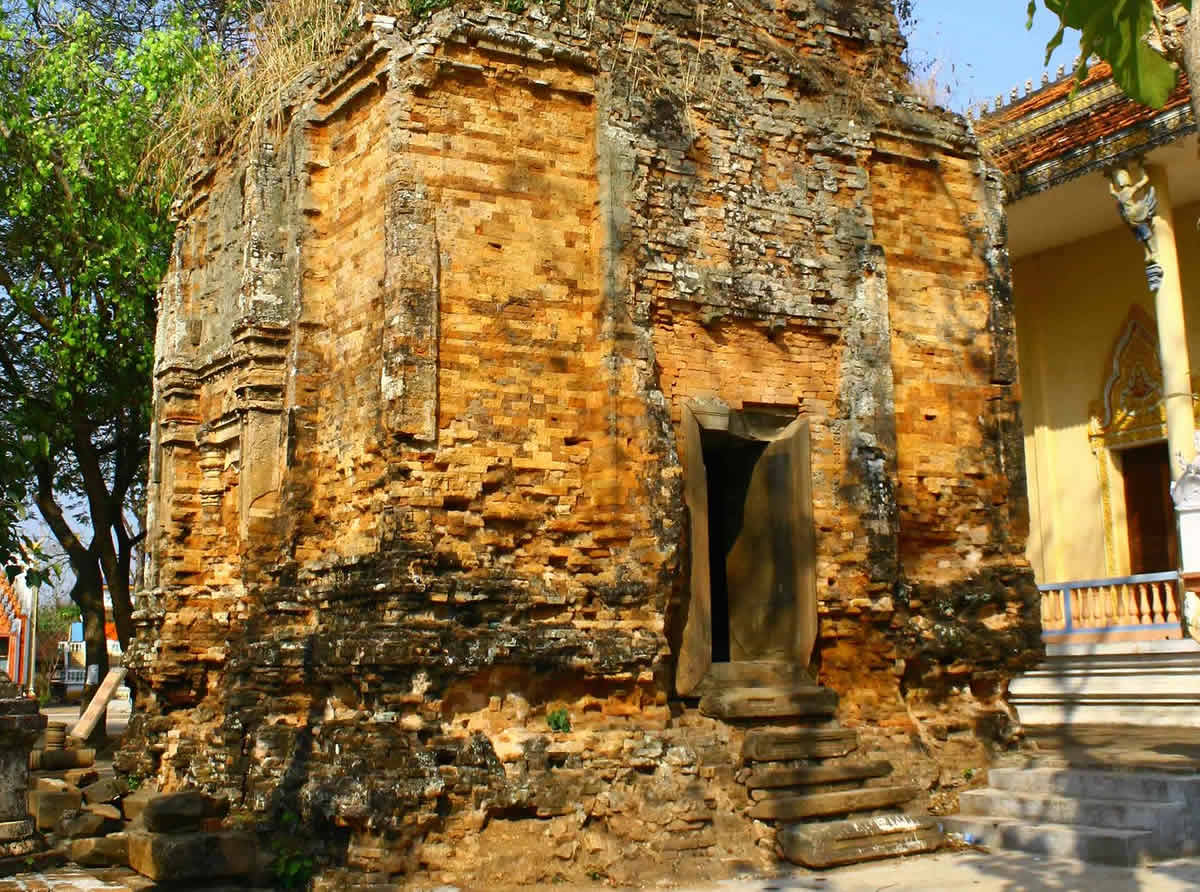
x,y
1103,845
1142,786
793,808
771,777
754,673
1122,814
785,744
820,846
770,703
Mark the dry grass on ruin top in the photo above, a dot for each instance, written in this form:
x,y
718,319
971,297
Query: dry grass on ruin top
x,y
243,89
250,90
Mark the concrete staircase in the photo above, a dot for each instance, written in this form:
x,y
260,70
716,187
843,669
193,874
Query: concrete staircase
x,y
797,766
1109,817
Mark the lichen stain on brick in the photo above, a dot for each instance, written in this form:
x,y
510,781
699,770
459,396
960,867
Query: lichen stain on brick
x,y
417,477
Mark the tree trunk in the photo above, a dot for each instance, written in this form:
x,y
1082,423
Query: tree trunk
x,y
88,591
122,601
1191,61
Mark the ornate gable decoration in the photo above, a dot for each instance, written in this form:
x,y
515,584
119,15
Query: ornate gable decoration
x,y
1132,405
1135,385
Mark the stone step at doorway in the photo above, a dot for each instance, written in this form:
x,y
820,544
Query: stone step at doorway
x,y
799,804
767,703
773,745
775,776
800,772
754,673
836,843
1113,817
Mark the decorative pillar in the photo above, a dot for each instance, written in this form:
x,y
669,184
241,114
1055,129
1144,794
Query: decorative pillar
x,y
20,723
1145,204
1172,331
1144,200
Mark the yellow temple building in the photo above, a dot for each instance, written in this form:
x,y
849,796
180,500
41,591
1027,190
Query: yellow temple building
x,y
1104,291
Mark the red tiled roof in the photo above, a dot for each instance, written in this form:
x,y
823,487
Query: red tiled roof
x,y
10,599
1093,122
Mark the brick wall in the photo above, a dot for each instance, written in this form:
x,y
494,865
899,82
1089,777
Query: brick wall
x,y
421,370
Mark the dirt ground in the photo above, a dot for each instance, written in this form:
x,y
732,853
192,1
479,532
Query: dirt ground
x,y
956,872
951,872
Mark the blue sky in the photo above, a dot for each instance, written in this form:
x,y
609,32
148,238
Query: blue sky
x,y
982,49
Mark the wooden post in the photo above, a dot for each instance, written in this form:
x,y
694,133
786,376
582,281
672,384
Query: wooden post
x,y
96,709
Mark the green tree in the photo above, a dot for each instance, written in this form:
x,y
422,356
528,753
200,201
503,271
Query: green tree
x,y
53,625
1136,39
84,241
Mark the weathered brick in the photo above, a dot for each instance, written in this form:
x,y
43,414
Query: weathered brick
x,y
424,354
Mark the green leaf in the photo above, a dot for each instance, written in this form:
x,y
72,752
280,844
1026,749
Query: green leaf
x,y
1116,31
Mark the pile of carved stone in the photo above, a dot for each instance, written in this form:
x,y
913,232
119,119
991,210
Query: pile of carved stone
x,y
97,821
799,772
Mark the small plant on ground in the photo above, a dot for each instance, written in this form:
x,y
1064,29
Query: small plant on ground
x,y
559,720
424,7
515,6
293,866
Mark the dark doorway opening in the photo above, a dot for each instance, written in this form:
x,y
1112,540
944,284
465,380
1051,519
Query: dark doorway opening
x,y
729,462
1149,513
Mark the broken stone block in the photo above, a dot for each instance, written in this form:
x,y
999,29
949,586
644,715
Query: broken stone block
x,y
10,830
105,790
187,810
81,777
106,811
17,848
105,851
192,856
135,803
76,824
821,846
47,806
689,840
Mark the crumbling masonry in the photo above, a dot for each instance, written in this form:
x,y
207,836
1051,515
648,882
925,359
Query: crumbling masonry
x,y
457,368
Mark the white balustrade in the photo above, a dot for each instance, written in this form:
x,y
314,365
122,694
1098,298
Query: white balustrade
x,y
1142,607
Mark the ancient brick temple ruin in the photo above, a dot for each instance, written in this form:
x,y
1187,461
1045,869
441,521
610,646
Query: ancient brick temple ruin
x,y
541,401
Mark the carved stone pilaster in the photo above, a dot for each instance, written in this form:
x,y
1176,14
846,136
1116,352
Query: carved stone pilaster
x,y
20,724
